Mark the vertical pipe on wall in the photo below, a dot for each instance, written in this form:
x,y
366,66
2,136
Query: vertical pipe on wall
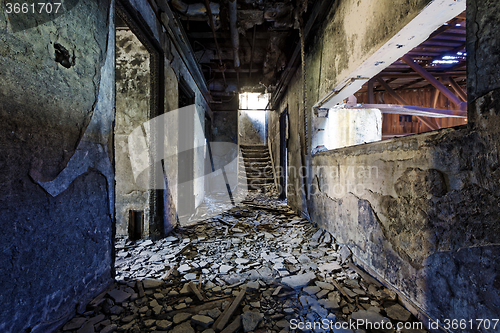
x,y
235,39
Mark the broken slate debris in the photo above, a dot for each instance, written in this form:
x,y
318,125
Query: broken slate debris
x,y
252,268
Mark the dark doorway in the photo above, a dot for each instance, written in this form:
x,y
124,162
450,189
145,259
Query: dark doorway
x,y
283,152
136,224
185,159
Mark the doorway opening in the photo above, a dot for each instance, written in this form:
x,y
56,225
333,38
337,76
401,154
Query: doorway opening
x,y
185,167
133,91
252,123
138,82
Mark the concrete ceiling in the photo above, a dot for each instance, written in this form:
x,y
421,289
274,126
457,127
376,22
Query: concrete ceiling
x,y
267,34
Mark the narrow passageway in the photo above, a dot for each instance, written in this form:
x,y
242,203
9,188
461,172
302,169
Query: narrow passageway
x,y
256,267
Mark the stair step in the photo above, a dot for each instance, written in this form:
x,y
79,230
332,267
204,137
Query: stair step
x,y
258,181
253,146
256,155
257,159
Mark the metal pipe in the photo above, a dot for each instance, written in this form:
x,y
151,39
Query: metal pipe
x,y
251,52
235,38
222,67
195,9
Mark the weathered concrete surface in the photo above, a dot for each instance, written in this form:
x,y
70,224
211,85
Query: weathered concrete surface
x,y
347,127
420,211
57,252
401,204
132,110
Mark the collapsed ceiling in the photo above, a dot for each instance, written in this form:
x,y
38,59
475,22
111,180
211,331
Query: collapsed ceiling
x,y
240,45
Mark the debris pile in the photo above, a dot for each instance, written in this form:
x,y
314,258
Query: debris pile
x,y
257,267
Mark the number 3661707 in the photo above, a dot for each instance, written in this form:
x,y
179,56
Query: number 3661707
x,y
26,8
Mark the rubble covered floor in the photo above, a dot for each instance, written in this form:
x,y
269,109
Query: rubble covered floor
x,y
257,267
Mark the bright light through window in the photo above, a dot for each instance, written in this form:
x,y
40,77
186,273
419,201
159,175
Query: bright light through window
x,y
253,101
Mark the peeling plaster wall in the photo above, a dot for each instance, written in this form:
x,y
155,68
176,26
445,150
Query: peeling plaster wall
x,y
132,110
417,210
421,211
56,174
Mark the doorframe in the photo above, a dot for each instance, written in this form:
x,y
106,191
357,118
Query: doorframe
x,y
143,32
283,152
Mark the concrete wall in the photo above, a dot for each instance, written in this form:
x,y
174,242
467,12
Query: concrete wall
x,y
56,117
132,110
57,111
175,69
421,211
252,127
347,127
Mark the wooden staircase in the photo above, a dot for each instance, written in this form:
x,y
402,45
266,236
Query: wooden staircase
x,y
257,164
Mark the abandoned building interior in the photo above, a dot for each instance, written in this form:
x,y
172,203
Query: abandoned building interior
x,y
250,166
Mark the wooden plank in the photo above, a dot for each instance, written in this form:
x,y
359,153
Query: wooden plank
x,y
458,90
221,322
205,306
394,74
165,277
402,101
342,291
435,98
234,326
195,290
368,278
370,92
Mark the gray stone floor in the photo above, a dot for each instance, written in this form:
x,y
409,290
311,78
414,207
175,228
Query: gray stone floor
x,y
254,268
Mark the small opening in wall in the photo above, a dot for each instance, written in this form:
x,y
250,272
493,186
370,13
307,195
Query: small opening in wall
x,y
135,224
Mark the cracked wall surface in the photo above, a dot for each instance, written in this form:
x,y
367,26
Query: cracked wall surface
x,y
422,211
426,197
56,97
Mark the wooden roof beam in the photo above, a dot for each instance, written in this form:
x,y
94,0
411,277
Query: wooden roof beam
x,y
401,100
432,80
